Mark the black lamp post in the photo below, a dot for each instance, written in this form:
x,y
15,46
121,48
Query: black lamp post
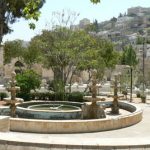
x,y
131,83
130,72
143,96
143,65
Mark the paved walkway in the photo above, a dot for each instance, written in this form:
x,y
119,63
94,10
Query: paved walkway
x,y
133,137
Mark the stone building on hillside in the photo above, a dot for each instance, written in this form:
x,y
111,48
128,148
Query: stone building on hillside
x,y
123,23
83,23
138,11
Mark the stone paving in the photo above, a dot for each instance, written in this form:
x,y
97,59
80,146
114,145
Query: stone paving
x,y
133,137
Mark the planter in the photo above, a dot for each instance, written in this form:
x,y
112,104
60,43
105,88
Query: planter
x,y
143,98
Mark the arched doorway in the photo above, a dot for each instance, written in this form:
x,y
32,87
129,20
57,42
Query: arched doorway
x,y
18,67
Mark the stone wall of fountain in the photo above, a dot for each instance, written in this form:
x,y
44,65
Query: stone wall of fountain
x,y
79,126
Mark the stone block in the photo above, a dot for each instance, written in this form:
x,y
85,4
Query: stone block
x,y
74,147
4,124
3,147
87,147
58,147
26,146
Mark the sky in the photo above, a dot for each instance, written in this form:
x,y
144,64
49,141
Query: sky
x,y
101,12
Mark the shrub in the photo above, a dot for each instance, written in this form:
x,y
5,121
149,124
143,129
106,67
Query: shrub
x,y
42,96
60,96
24,96
51,96
143,98
138,94
3,95
124,92
27,81
33,96
76,96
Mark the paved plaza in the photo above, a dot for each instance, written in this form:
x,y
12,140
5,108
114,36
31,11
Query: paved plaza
x,y
133,137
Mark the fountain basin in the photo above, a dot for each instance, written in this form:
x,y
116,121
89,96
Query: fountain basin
x,y
54,110
79,126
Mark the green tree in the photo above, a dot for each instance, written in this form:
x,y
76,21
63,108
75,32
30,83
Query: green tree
x,y
139,40
113,21
95,1
120,15
92,27
27,53
27,81
32,54
129,58
13,49
10,10
100,57
91,59
63,50
67,51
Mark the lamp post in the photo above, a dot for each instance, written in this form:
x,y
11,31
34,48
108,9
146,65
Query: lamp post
x,y
131,83
131,70
143,65
143,97
119,77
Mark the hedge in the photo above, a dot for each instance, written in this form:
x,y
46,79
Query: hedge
x,y
3,95
75,96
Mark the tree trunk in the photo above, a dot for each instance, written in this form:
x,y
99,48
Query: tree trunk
x,y
2,18
58,74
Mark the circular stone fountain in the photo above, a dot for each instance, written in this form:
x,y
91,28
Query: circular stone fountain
x,y
73,119
133,116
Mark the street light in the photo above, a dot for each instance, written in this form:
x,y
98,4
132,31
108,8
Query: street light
x,y
143,65
119,77
143,97
131,84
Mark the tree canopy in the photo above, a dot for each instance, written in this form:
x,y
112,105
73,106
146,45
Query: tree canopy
x,y
63,49
66,51
92,27
13,49
27,53
129,56
10,10
95,1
